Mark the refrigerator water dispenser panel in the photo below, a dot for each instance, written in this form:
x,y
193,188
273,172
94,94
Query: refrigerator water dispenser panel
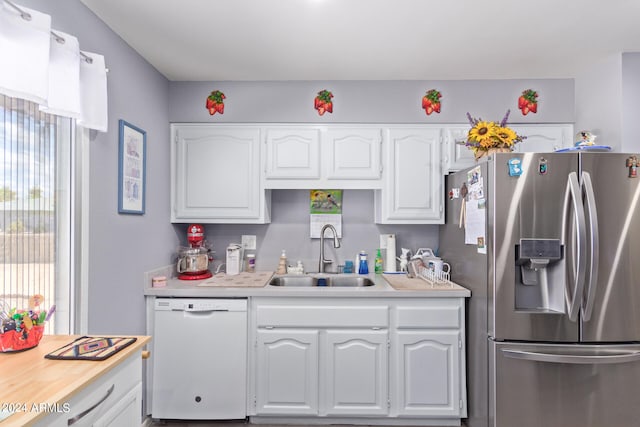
x,y
539,284
535,254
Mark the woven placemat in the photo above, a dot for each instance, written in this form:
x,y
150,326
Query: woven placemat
x,y
90,348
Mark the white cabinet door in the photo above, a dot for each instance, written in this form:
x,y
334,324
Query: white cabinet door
x,y
292,153
428,372
413,192
215,175
544,138
125,412
456,155
356,372
312,156
287,372
353,153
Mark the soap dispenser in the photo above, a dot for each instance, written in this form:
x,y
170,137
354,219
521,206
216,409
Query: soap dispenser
x,y
378,263
282,265
363,266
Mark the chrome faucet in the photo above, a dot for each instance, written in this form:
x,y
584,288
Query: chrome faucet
x,y
336,244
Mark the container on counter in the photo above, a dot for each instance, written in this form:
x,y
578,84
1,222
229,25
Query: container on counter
x,y
158,281
348,267
282,264
363,265
251,263
378,268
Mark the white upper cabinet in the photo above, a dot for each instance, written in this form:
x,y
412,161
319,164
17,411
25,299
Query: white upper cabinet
x,y
539,139
353,153
215,175
455,154
413,191
311,156
292,153
544,138
222,173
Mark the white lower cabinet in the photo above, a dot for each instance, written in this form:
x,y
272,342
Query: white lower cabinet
x,y
113,400
287,372
125,412
356,372
347,358
429,358
429,372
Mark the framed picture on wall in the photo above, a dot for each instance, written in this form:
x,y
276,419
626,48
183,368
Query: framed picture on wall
x,y
132,165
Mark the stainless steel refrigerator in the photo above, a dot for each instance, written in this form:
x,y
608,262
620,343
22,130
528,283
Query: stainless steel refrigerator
x,y
553,321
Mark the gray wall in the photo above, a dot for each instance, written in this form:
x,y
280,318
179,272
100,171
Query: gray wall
x,y
289,230
372,101
599,100
121,247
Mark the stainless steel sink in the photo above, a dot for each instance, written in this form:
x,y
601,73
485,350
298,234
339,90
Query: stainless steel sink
x,y
294,281
322,281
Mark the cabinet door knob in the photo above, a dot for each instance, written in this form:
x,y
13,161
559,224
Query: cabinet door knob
x,y
145,354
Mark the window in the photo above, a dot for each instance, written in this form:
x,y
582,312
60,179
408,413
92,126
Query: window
x,y
35,215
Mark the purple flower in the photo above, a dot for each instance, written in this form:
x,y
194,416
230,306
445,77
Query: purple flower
x,y
503,123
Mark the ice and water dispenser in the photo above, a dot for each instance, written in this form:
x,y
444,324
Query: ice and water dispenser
x,y
540,278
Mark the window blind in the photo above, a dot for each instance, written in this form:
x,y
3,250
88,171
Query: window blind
x,y
34,215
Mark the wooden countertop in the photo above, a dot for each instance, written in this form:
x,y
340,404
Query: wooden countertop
x,y
29,379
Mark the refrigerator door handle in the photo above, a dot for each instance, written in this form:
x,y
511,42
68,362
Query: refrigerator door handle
x,y
622,357
594,243
573,195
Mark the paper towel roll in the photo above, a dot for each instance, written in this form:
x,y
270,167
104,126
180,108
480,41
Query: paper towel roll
x,y
390,256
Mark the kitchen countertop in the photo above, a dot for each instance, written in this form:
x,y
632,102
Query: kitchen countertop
x,y
241,286
29,379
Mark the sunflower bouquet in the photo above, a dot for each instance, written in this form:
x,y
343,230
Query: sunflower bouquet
x,y
487,136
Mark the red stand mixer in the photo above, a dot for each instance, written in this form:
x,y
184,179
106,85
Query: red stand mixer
x,y
193,261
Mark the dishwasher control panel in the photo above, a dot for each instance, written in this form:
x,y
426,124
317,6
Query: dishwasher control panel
x,y
200,304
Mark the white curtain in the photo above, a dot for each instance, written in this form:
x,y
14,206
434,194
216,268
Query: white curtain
x,y
46,66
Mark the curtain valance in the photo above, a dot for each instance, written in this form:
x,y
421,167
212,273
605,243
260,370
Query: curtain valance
x,y
46,66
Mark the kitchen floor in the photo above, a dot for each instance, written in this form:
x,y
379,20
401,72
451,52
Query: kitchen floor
x,y
238,424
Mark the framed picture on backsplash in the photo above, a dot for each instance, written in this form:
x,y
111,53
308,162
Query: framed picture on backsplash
x,y
132,165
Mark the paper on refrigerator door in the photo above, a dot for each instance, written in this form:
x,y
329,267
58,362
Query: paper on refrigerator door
x,y
475,211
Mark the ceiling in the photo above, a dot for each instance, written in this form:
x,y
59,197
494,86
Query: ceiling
x,y
207,40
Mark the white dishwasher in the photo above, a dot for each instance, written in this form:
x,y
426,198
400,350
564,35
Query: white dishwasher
x,y
199,359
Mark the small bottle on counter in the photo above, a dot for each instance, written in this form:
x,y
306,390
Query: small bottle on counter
x,y
363,266
378,263
282,265
251,263
348,266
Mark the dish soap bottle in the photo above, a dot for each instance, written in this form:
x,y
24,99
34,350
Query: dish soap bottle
x,y
378,263
282,265
363,267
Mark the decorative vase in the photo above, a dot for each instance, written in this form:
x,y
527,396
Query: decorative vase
x,y
486,153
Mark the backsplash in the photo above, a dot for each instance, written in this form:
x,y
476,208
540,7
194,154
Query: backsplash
x,y
289,230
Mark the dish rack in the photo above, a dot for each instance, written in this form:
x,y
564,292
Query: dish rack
x,y
434,278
